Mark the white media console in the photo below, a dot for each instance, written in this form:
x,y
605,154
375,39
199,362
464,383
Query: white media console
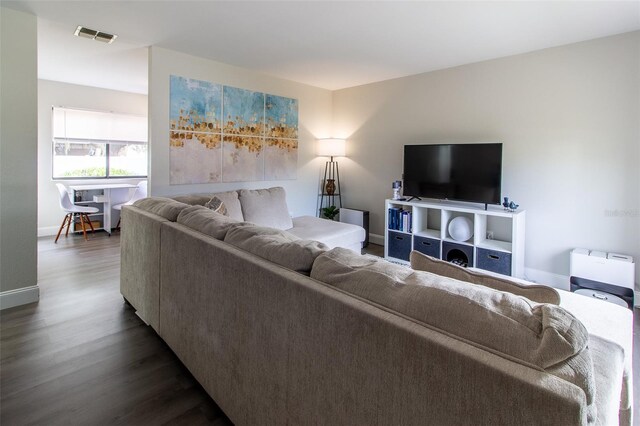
x,y
497,244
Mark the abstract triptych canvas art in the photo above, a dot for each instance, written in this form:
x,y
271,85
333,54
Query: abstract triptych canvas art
x,y
227,134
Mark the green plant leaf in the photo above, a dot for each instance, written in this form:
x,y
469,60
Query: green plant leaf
x,y
330,212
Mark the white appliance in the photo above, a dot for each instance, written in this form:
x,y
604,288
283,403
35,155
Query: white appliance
x,y
605,276
610,268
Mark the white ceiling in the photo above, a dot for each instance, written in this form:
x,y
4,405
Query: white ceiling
x,y
64,57
328,44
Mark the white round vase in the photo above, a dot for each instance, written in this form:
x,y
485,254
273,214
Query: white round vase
x,y
461,228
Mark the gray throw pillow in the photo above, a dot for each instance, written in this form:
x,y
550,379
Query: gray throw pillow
x,y
537,293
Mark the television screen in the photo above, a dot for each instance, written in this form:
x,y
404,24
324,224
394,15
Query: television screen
x,y
464,172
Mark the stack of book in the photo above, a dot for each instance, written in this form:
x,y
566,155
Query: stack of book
x,y
399,219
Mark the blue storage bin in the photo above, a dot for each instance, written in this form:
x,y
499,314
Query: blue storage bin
x,y
428,246
494,261
399,245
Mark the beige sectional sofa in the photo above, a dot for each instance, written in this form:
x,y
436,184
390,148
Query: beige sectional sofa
x,y
281,329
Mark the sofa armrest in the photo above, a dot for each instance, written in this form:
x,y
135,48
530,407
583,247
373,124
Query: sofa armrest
x,y
140,262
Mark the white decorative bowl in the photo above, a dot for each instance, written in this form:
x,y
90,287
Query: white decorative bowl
x,y
461,228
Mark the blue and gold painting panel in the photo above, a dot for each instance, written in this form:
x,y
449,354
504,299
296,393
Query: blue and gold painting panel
x,y
280,159
195,105
195,158
243,112
281,115
242,158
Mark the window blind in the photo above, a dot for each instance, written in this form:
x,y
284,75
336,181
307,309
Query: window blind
x,y
77,125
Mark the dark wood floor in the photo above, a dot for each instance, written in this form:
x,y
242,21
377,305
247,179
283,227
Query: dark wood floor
x,y
82,357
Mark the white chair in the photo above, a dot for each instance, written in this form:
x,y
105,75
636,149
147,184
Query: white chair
x,y
140,192
72,210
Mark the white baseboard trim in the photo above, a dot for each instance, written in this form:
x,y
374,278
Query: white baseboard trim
x,y
376,239
19,296
47,231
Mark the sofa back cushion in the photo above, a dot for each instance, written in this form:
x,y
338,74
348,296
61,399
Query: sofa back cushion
x,y
266,207
165,207
208,222
229,198
192,199
537,293
277,246
540,335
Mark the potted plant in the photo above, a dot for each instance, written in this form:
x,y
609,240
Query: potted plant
x,y
330,212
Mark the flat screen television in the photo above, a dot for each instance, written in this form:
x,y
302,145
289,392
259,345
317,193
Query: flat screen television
x,y
463,172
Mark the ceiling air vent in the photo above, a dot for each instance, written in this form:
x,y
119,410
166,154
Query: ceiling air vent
x,y
95,35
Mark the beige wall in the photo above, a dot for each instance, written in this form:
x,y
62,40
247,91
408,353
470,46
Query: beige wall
x,y
568,118
18,142
314,122
53,93
569,121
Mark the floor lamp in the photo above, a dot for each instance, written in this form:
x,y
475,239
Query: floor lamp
x,y
330,185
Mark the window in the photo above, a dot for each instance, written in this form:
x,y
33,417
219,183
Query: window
x,y
93,144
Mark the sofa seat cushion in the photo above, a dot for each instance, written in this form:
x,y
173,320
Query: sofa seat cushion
x,y
165,207
543,336
266,207
537,293
331,233
608,362
229,198
276,246
612,323
208,222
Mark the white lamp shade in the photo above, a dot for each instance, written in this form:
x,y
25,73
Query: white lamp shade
x,y
331,147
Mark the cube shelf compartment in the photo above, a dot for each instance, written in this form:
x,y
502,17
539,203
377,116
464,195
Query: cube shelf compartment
x,y
497,244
